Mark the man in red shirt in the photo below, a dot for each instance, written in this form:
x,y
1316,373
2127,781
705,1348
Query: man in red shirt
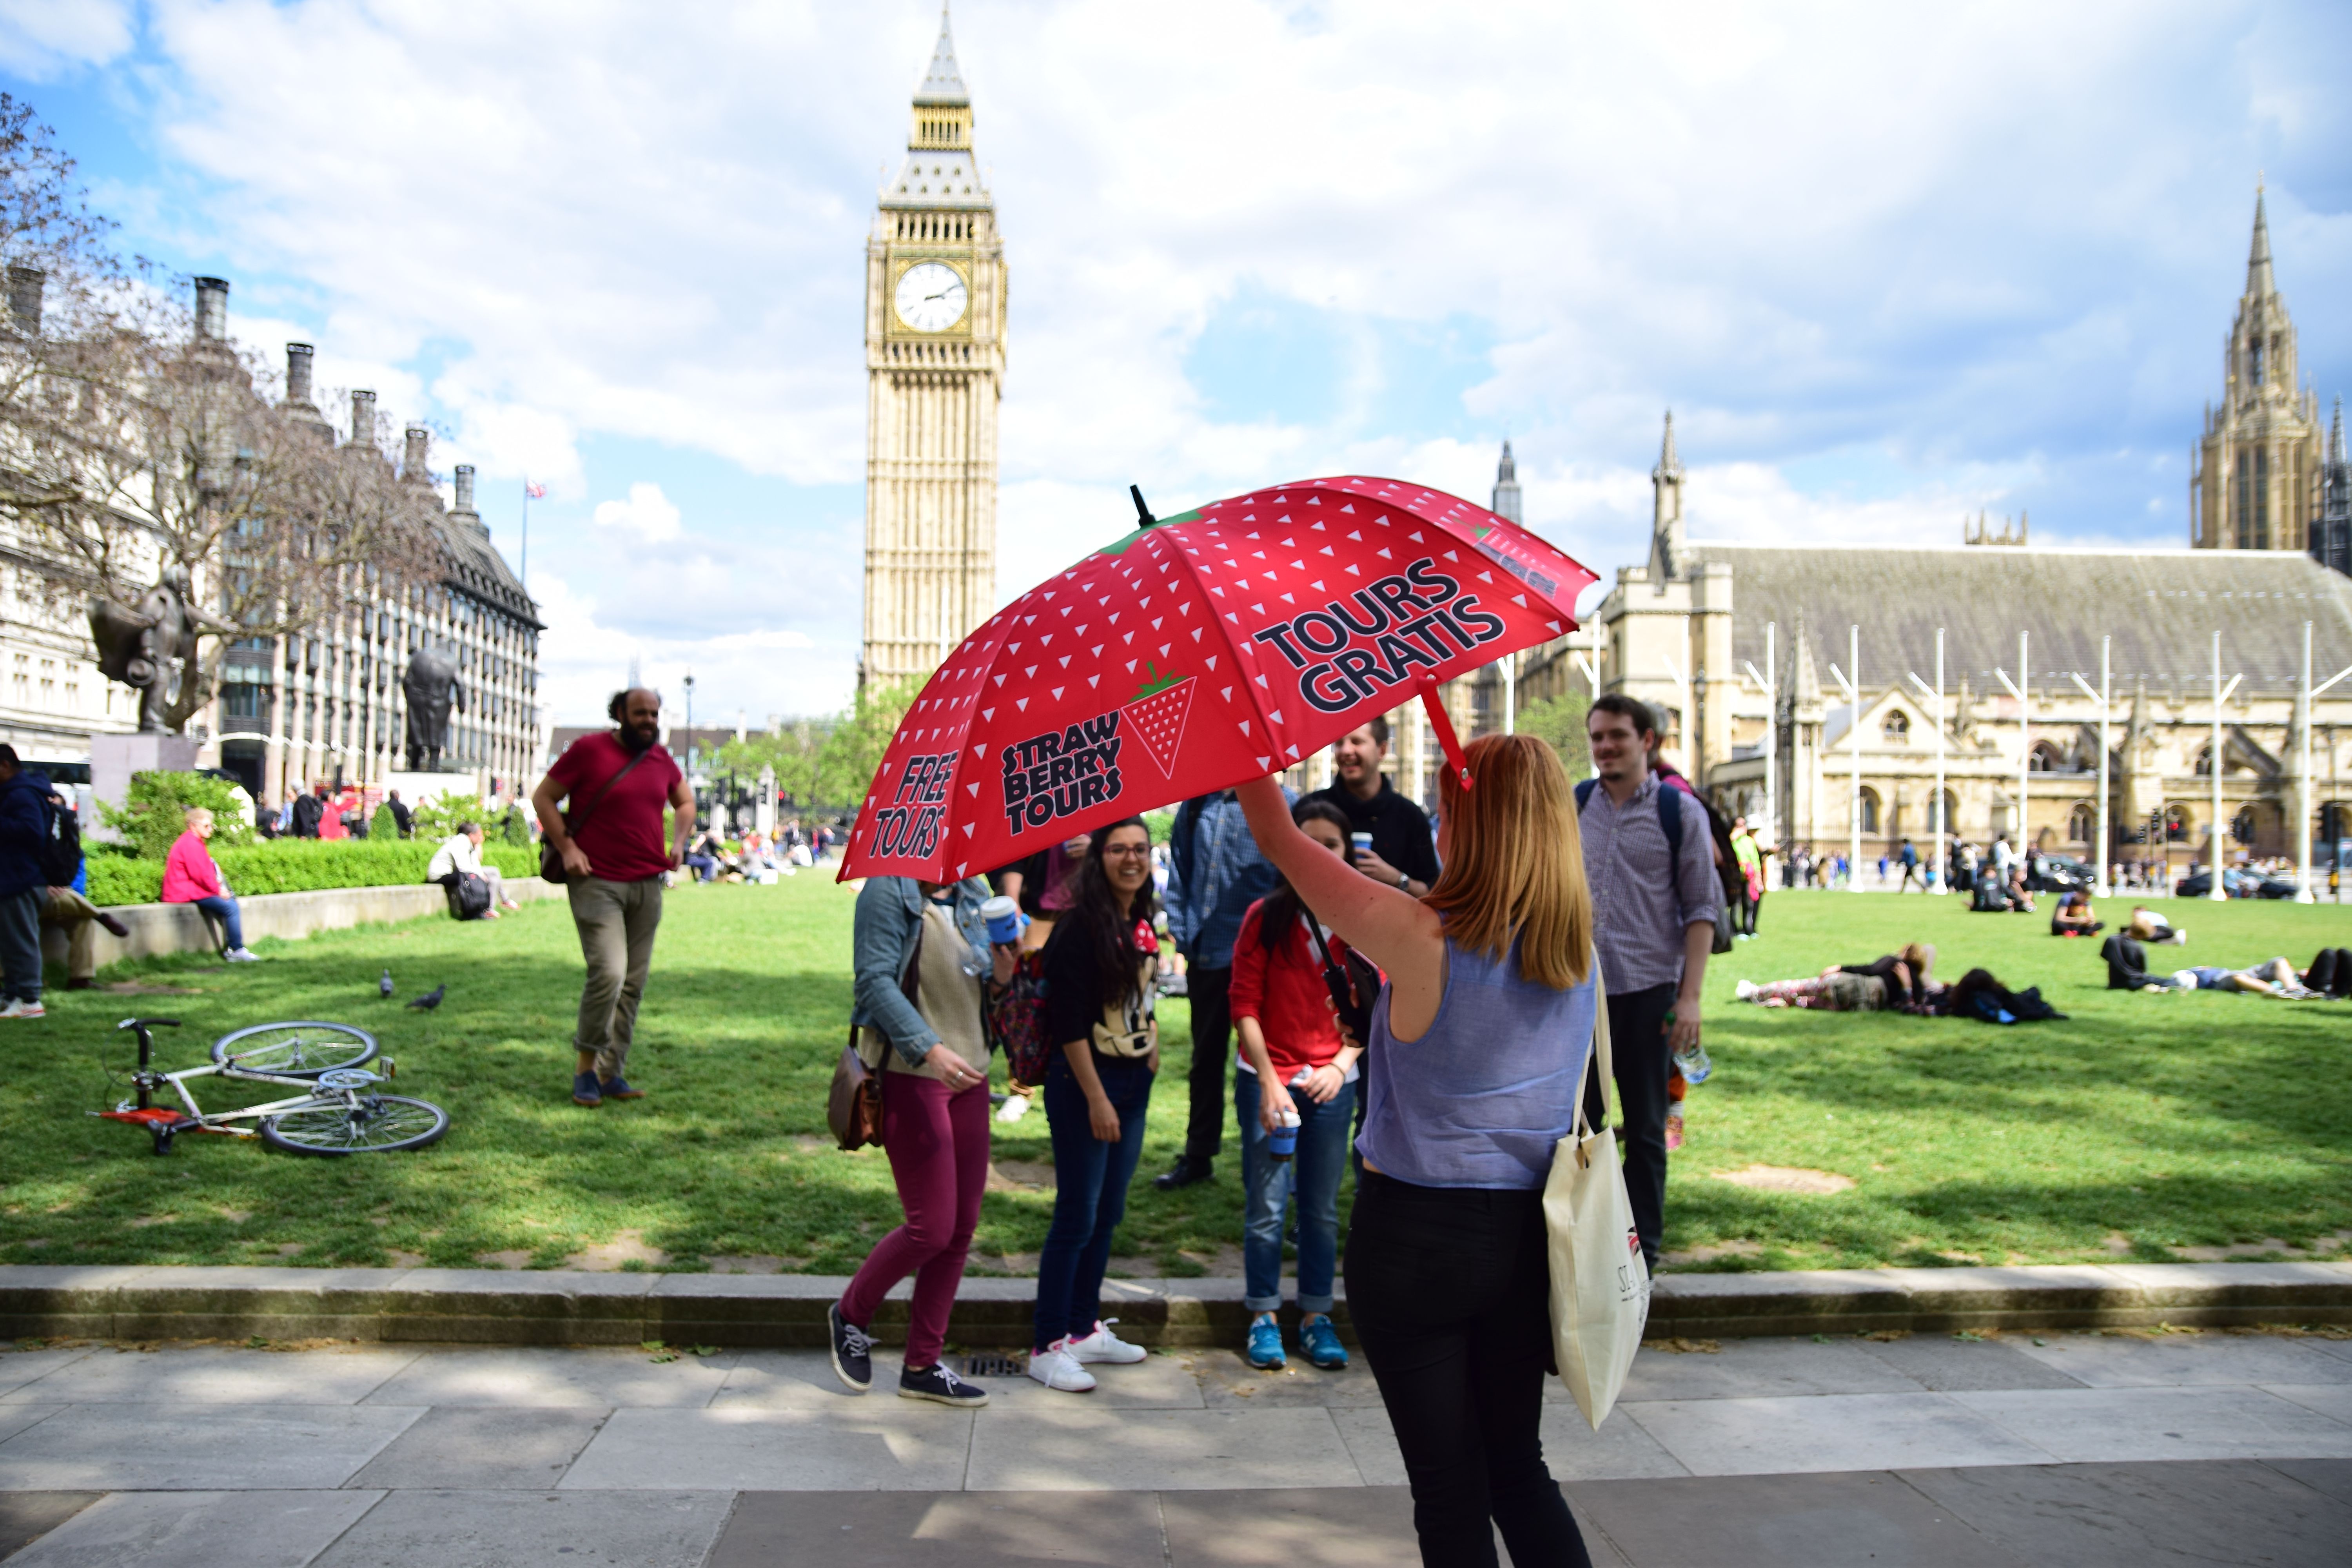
x,y
614,858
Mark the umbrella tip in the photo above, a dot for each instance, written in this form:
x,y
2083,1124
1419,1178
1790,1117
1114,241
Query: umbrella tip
x,y
1142,513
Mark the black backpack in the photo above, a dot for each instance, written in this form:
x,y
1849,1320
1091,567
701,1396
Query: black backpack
x,y
60,854
469,896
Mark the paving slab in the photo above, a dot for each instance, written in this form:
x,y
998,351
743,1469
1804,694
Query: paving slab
x,y
459,1448
1833,1432
509,1529
1077,1447
1226,1382
26,1517
213,1375
18,1368
2330,1399
2131,1515
1759,1369
1155,1382
1354,1527
1868,1519
1573,1449
870,1445
796,1380
15,1418
1945,1364
2331,1477
2132,1360
585,1378
2133,1424
148,1529
130,1447
888,1530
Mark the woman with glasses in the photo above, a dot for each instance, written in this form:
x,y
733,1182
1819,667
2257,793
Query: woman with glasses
x,y
1100,967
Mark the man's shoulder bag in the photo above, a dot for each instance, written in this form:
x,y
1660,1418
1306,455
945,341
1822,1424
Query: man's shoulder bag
x,y
853,1106
551,858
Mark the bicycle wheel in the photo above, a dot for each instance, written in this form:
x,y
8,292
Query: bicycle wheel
x,y
376,1125
296,1050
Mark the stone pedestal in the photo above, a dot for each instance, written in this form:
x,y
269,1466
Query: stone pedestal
x,y
114,758
416,789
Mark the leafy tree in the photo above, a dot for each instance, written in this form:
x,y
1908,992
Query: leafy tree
x,y
155,812
1559,722
853,748
437,818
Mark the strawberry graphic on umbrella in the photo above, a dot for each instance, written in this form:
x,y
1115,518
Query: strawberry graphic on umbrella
x,y
1156,716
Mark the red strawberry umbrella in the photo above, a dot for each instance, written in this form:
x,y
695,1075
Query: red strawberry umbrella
x,y
1199,652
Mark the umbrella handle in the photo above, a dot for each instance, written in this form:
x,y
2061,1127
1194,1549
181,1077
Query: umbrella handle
x,y
1443,724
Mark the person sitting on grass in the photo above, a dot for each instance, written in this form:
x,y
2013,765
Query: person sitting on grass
x,y
2149,926
1296,1062
2075,917
190,876
704,859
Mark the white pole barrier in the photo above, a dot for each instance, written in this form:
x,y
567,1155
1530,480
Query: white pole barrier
x,y
1854,745
2302,894
2213,857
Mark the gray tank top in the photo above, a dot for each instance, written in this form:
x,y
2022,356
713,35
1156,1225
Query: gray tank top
x,y
1490,1087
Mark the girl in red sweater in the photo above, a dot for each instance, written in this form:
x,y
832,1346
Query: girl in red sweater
x,y
1297,1069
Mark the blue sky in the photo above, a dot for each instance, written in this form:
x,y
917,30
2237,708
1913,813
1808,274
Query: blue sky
x,y
1888,265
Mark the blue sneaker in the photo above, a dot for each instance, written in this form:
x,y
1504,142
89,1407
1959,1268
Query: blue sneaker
x,y
586,1091
1321,1342
618,1089
1265,1345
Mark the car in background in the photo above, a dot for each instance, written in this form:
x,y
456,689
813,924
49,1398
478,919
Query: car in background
x,y
2059,874
2236,884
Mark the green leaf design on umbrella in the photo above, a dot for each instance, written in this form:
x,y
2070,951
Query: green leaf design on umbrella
x,y
1119,547
1155,682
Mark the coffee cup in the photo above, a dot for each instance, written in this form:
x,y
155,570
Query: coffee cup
x,y
1362,842
1283,1141
1003,917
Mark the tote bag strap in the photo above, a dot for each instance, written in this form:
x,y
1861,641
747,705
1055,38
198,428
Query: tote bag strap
x,y
1598,1059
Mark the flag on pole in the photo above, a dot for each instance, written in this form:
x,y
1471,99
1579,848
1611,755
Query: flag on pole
x,y
533,492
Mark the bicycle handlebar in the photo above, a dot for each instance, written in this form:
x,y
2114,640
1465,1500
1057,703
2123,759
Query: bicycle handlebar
x,y
147,1023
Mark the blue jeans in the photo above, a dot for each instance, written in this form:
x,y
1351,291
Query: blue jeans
x,y
1266,1188
1090,1179
20,942
225,910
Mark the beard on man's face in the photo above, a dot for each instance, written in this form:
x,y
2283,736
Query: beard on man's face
x,y
640,731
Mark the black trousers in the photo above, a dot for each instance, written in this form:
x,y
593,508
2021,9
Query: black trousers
x,y
2330,972
1744,909
1637,1050
1449,1290
1209,991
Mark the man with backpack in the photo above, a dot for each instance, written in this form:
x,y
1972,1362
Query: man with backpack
x,y
65,903
24,833
1649,857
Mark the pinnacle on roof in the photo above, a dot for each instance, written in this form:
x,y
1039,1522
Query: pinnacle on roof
x,y
1506,472
2335,435
1668,463
943,83
2258,260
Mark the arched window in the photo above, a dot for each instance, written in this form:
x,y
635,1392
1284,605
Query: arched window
x,y
1869,810
1950,824
2047,758
1896,729
2082,824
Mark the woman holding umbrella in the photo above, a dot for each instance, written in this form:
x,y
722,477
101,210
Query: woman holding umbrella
x,y
1101,971
1478,1049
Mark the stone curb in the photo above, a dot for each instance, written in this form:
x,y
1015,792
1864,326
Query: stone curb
x,y
467,1306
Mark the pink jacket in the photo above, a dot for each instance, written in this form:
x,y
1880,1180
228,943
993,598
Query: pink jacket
x,y
189,873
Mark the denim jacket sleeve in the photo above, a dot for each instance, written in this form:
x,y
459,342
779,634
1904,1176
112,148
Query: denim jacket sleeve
x,y
889,910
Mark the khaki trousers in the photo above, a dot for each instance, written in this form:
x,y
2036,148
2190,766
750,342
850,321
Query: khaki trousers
x,y
77,917
616,922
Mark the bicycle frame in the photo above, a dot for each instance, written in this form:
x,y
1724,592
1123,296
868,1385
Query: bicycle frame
x,y
163,1122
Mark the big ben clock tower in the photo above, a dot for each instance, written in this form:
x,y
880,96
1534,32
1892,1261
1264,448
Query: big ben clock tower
x,y
934,368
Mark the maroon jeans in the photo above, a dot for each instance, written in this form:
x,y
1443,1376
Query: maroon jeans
x,y
937,1144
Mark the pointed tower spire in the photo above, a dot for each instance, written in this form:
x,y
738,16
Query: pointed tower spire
x,y
943,84
1506,488
1665,513
2259,282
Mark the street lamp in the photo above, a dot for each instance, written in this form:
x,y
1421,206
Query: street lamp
x,y
689,721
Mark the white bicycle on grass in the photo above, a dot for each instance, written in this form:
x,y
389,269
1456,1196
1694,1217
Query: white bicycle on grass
x,y
338,1111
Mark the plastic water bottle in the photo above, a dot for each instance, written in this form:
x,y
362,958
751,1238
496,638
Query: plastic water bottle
x,y
1692,1064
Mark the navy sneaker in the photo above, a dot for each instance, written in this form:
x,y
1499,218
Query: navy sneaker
x,y
853,1351
618,1089
585,1091
1321,1341
941,1386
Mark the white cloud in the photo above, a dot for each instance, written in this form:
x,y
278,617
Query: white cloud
x,y
647,514
585,658
44,38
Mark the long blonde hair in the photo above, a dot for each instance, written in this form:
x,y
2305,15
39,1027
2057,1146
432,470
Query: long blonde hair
x,y
1514,865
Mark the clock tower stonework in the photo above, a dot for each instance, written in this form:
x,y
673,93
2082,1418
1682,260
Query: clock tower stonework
x,y
935,297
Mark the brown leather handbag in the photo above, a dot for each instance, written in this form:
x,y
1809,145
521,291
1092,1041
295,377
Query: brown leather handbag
x,y
853,1106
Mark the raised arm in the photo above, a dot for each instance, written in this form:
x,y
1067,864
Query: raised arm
x,y
1395,931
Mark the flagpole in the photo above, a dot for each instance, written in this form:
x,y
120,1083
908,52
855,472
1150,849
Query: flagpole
x,y
526,533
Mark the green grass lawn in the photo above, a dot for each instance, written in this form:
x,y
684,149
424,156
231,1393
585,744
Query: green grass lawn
x,y
2142,1125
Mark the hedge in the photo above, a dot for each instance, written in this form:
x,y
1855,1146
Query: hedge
x,y
296,866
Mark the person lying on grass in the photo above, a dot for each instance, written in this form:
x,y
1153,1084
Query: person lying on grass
x,y
2326,979
1901,982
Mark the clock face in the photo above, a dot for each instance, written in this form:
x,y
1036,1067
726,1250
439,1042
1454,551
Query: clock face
x,y
931,297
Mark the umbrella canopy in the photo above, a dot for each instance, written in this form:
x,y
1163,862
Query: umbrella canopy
x,y
1199,652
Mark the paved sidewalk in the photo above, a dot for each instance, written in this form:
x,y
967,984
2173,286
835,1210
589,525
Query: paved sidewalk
x,y
2080,1448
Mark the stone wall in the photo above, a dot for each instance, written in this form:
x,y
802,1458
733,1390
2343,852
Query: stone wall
x,y
178,928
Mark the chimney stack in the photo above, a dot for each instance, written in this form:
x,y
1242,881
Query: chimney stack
x,y
363,419
412,461
298,375
212,310
464,489
24,285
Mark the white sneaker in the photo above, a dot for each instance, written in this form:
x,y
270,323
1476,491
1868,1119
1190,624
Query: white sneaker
x,y
2180,936
242,955
1056,1367
1105,1346
1745,990
18,1007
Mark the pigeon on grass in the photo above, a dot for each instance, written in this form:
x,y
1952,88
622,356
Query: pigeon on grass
x,y
430,1000
383,987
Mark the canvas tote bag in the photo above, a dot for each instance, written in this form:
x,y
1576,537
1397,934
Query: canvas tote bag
x,y
1600,1286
